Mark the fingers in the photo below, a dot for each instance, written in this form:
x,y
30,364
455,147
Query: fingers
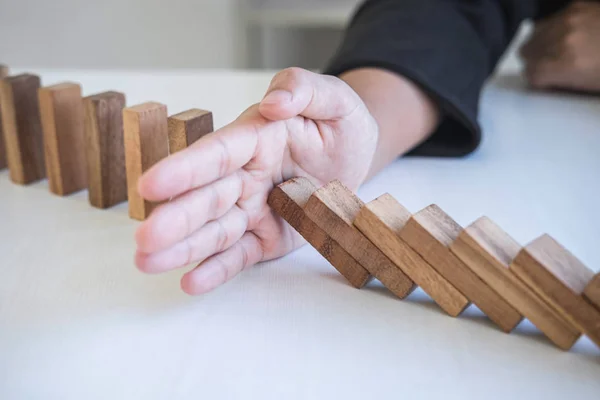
x,y
179,218
222,267
295,91
213,238
548,73
212,157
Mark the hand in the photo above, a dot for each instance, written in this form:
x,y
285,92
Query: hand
x,y
307,125
564,50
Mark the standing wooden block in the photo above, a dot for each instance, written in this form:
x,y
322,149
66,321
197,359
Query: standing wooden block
x,y
592,291
381,221
3,161
105,150
146,143
22,128
487,250
559,278
430,232
288,201
333,208
187,127
61,109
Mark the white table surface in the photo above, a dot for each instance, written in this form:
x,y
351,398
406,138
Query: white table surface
x,y
78,321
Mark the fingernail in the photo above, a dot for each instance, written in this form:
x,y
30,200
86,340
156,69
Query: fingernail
x,y
279,97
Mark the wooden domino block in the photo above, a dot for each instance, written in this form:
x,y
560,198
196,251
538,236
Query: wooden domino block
x,y
22,128
146,143
430,232
333,208
187,127
559,278
592,291
488,251
3,161
61,109
288,201
381,221
105,150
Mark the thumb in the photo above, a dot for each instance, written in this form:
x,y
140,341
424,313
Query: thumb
x,y
296,91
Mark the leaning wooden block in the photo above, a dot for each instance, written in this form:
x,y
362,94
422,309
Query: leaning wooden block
x,y
61,109
3,162
333,208
430,232
187,127
146,143
288,200
22,128
592,291
381,221
559,278
105,150
485,248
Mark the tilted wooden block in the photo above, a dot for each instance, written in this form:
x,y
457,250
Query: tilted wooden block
x,y
381,221
485,248
22,128
187,127
430,232
288,200
146,143
61,109
105,150
3,162
592,291
560,278
333,208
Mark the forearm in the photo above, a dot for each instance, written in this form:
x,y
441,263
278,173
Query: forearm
x,y
406,116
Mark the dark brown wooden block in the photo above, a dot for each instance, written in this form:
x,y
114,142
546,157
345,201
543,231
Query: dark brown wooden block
x,y
105,149
22,128
3,160
187,127
592,291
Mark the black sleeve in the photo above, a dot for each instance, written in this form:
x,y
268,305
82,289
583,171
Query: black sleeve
x,y
447,47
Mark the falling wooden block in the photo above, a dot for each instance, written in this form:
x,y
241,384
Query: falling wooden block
x,y
333,208
22,128
592,291
187,127
559,278
105,150
381,221
146,143
288,200
61,109
3,161
430,232
488,251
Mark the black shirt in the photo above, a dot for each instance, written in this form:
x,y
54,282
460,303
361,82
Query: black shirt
x,y
447,47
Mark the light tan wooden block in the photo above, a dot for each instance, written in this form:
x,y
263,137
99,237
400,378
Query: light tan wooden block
x,y
187,127
105,149
288,201
430,232
381,221
488,251
146,143
592,291
3,161
559,278
333,208
22,128
61,110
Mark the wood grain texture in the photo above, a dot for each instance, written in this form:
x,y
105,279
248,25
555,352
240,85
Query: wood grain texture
x,y
430,232
559,278
592,291
3,160
22,128
61,110
488,251
288,201
333,208
105,150
187,127
146,143
381,221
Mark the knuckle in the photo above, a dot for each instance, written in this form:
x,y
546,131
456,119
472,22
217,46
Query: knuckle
x,y
222,236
